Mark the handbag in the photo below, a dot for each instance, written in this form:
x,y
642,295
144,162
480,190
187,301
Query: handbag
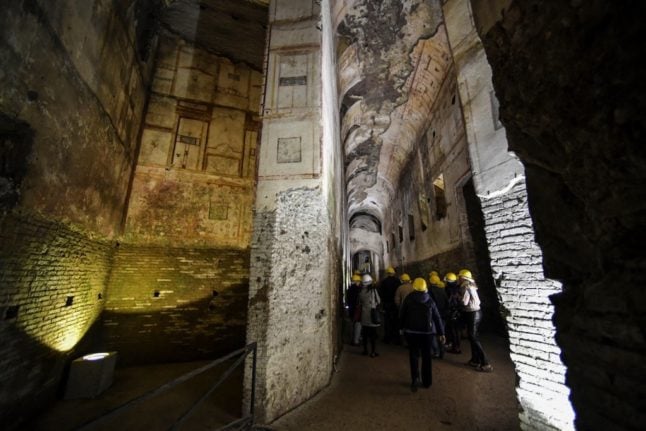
x,y
375,317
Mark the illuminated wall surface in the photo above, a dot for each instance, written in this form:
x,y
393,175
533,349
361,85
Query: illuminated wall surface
x,y
53,291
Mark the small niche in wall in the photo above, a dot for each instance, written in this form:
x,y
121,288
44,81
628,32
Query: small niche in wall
x,y
11,312
215,293
99,296
387,246
156,294
401,233
69,301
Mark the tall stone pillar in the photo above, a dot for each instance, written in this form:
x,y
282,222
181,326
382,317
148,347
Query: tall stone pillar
x,y
295,251
516,259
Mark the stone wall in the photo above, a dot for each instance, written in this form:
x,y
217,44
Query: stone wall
x,y
517,265
516,261
567,77
296,246
194,181
433,226
72,94
170,304
188,227
53,290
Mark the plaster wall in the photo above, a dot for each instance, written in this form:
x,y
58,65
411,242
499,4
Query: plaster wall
x,y
441,151
295,256
194,181
178,289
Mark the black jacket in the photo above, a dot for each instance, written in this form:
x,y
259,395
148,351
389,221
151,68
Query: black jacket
x,y
419,315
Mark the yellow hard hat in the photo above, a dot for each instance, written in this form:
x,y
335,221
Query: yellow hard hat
x,y
450,277
390,270
432,273
356,277
420,285
435,280
465,273
405,278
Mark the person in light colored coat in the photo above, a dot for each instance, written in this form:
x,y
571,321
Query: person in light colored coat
x,y
368,299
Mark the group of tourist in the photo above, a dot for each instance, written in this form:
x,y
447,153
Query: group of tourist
x,y
430,319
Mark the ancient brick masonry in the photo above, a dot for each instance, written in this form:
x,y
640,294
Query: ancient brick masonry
x,y
53,289
516,261
169,304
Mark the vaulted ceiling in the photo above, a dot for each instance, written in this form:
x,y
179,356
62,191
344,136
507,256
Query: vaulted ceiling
x,y
393,57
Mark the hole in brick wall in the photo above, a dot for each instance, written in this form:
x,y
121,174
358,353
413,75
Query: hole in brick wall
x,y
215,293
156,294
69,301
99,296
11,312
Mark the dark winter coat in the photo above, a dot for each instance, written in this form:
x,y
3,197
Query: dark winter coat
x,y
388,287
419,315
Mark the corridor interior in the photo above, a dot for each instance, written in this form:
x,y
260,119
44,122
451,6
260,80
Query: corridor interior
x,y
184,179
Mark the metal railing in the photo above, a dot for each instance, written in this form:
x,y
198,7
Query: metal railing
x,y
243,423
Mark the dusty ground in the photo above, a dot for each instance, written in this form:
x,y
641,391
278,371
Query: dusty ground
x,y
365,394
374,394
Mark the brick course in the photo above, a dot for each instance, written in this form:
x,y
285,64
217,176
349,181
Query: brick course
x,y
516,262
168,304
43,264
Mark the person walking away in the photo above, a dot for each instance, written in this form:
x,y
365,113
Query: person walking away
x,y
387,290
438,294
473,315
421,322
352,298
453,313
368,300
403,290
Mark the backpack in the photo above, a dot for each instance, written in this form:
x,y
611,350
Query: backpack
x,y
419,316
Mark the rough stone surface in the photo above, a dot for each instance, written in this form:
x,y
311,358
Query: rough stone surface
x,y
290,301
53,290
579,130
84,127
524,293
171,304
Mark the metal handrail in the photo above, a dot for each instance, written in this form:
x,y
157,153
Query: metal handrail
x,y
243,352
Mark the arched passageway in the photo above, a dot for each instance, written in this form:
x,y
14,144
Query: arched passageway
x,y
178,177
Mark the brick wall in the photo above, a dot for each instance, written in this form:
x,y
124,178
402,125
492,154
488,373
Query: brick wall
x,y
169,304
516,262
51,293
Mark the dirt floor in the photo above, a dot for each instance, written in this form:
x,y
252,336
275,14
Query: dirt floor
x,y
364,394
374,394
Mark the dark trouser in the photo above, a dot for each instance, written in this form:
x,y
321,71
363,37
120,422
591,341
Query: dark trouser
x,y
437,347
369,332
391,323
420,344
453,333
472,319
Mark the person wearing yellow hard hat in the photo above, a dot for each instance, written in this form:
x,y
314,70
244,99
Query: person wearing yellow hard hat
x,y
387,289
473,315
436,291
454,313
421,322
352,298
403,290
